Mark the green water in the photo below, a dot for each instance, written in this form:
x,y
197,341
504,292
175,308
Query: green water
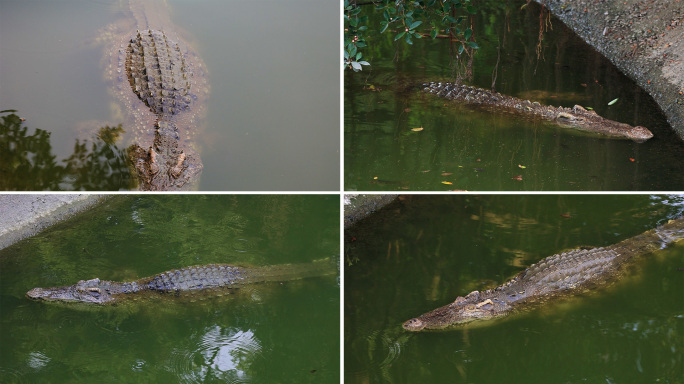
x,y
424,251
277,333
476,150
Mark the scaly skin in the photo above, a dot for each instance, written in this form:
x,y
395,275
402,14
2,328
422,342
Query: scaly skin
x,y
158,74
209,278
552,278
575,117
165,166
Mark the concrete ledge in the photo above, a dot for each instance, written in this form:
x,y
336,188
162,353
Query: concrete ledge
x,y
643,38
24,215
357,207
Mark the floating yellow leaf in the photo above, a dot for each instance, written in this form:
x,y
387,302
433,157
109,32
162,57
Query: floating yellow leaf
x,y
447,182
417,129
521,166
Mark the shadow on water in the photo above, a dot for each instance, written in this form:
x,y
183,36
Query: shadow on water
x,y
27,162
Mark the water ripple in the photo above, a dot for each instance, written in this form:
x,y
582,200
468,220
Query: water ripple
x,y
222,353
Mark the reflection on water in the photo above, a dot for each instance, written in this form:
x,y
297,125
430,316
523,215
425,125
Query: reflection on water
x,y
273,118
28,164
225,353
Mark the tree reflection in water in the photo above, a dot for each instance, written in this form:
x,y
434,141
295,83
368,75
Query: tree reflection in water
x,y
27,162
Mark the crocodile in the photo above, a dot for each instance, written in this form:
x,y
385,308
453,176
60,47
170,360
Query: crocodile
x,y
210,279
576,117
162,85
561,275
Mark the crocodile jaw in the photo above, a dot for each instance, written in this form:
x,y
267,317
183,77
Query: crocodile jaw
x,y
580,118
85,291
474,306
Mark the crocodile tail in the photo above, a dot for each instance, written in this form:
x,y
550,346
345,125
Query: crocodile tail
x,y
286,272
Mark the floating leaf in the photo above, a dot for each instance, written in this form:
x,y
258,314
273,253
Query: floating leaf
x,y
447,174
417,129
613,101
521,166
632,159
447,182
589,108
519,178
566,215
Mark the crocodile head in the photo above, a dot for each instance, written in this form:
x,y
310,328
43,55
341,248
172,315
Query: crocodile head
x,y
164,166
474,306
585,120
91,291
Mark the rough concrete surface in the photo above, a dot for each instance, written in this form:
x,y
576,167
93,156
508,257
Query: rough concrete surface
x,y
643,38
24,215
357,207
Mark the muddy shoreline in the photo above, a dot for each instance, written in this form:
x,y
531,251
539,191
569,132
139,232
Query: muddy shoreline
x,y
642,38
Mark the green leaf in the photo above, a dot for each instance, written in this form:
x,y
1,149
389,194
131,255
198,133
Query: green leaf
x,y
461,48
433,33
408,40
355,66
384,27
400,35
360,44
364,63
415,24
449,19
467,34
473,45
589,108
358,56
613,101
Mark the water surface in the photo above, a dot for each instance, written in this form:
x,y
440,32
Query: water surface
x,y
460,148
280,333
272,118
423,252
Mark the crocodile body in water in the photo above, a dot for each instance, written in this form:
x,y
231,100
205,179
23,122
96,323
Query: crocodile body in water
x,y
161,84
552,278
575,117
210,279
